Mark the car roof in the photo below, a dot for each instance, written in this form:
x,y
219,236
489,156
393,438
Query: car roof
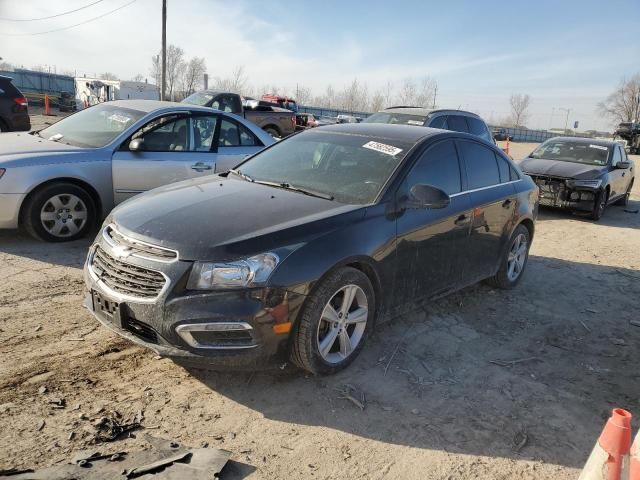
x,y
406,133
585,140
153,105
426,111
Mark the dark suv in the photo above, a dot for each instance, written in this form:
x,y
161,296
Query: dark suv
x,y
456,120
14,114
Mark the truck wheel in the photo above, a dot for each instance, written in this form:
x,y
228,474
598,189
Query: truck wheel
x,y
334,323
599,204
273,131
59,212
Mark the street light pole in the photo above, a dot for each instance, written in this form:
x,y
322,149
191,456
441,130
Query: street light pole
x,y
566,121
163,88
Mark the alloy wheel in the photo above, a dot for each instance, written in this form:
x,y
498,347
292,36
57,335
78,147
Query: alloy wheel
x,y
517,257
342,324
63,215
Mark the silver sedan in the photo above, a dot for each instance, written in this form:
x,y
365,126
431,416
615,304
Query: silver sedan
x,y
62,180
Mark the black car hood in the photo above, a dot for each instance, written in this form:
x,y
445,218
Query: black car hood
x,y
558,168
217,218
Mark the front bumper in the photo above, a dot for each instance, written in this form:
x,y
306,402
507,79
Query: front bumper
x,y
226,329
556,192
10,209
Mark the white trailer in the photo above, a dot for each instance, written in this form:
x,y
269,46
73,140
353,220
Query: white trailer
x,y
138,90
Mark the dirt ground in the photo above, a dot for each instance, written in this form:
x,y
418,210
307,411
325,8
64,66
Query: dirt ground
x,y
483,384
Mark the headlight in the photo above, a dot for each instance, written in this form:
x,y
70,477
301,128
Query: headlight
x,y
584,183
242,273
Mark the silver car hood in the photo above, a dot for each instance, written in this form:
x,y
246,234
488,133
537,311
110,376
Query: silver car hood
x,y
24,149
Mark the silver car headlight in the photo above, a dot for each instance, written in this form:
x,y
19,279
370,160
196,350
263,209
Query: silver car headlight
x,y
584,183
252,271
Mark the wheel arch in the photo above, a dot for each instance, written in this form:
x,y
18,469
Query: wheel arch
x,y
273,127
95,196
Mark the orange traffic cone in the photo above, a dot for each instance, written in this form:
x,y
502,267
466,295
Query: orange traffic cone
x,y
610,455
634,463
47,107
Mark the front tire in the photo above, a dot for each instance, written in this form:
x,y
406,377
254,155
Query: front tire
x,y
60,212
599,205
335,322
514,260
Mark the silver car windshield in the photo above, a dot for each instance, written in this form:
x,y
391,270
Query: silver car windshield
x,y
352,169
93,127
569,151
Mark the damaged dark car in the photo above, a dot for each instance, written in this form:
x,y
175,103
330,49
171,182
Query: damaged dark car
x,y
297,252
581,174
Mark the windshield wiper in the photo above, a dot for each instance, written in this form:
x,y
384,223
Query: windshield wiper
x,y
293,188
244,176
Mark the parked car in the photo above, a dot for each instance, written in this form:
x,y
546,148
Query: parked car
x,y
582,174
500,134
14,111
277,122
456,120
305,120
60,181
347,119
300,250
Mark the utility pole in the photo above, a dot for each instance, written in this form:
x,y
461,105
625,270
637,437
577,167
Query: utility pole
x,y
566,121
163,88
435,94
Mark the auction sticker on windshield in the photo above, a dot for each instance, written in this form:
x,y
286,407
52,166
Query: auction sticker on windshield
x,y
415,122
119,118
599,147
382,148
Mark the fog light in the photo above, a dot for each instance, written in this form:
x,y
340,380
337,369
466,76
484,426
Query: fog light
x,y
574,196
586,196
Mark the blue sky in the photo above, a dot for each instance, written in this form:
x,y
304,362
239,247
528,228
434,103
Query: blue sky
x,y
568,54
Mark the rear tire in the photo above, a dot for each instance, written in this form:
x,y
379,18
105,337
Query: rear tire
x,y
334,323
514,260
274,132
599,204
60,212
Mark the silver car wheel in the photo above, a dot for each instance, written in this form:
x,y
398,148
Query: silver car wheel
x,y
517,257
342,324
63,215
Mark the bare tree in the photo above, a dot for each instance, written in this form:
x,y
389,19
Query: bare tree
x,y
156,69
175,66
193,75
387,91
236,83
426,92
408,93
108,76
330,96
6,66
623,104
354,97
519,106
138,78
377,101
303,95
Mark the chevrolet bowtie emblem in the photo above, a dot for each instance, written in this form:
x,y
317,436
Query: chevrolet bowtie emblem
x,y
121,251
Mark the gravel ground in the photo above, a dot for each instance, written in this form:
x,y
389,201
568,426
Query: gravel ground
x,y
482,384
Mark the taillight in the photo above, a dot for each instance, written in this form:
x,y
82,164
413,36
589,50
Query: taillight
x,y
22,101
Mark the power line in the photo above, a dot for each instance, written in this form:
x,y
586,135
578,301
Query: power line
x,y
70,26
52,16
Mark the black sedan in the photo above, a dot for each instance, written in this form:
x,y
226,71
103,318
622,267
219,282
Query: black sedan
x,y
299,251
581,174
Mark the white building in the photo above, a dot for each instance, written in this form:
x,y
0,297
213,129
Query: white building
x,y
138,90
90,91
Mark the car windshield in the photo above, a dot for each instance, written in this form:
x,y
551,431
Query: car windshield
x,y
93,127
350,168
569,151
396,118
199,98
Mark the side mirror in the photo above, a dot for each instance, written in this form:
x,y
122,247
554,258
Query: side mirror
x,y
427,196
136,145
623,165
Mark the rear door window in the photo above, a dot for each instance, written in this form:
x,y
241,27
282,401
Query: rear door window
x,y
233,134
438,167
439,122
477,127
457,123
481,165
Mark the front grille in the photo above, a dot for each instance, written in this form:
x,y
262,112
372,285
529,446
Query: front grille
x,y
136,248
125,278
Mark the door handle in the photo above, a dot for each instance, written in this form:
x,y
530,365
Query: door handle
x,y
462,220
200,167
507,203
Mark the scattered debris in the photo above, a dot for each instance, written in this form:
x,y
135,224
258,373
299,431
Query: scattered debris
x,y
415,411
41,424
520,440
631,211
635,323
395,350
510,363
43,389
112,427
349,392
38,328
591,310
618,341
57,403
585,326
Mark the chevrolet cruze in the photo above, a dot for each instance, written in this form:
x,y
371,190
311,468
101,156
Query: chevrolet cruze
x,y
299,251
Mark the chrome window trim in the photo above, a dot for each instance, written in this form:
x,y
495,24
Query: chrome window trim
x,y
483,188
111,244
120,296
184,331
